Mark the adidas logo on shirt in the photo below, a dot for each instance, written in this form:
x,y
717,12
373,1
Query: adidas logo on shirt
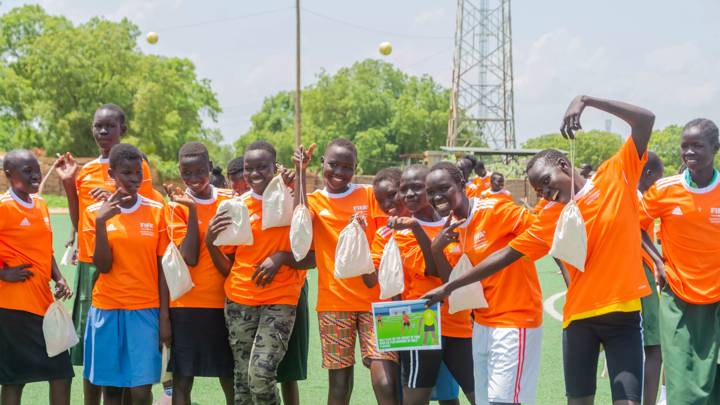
x,y
677,211
25,222
325,213
111,228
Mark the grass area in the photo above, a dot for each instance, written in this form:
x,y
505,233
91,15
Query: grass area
x,y
56,201
314,390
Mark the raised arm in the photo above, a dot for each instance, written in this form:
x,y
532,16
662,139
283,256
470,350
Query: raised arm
x,y
66,168
491,265
301,158
641,120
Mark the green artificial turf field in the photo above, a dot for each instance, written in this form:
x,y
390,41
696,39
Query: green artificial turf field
x,y
207,391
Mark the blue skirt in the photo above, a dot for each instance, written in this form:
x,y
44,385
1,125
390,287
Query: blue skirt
x,y
122,347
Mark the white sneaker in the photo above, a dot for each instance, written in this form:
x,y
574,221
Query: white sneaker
x,y
663,396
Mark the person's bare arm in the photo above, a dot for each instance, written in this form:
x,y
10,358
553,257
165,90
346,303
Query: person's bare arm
x,y
190,246
641,120
222,262
491,265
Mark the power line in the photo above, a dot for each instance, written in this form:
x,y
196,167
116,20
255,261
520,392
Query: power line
x,y
364,28
224,20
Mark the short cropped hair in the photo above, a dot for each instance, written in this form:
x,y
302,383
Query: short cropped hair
x,y
452,170
262,145
235,166
391,174
706,127
11,158
124,151
193,149
343,143
547,155
114,108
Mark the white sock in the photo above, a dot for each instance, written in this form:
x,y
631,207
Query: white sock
x,y
663,395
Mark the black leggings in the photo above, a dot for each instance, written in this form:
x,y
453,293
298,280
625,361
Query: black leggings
x,y
621,336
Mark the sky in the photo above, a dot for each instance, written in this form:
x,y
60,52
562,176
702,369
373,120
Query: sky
x,y
663,55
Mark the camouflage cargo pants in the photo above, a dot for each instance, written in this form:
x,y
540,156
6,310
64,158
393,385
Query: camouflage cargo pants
x,y
258,338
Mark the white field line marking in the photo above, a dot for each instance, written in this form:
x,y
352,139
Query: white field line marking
x,y
549,305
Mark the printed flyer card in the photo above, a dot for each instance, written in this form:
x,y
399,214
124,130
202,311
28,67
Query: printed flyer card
x,y
406,325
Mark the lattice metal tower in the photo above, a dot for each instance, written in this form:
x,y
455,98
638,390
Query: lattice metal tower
x,y
482,110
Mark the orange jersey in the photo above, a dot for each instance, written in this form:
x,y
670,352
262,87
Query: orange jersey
x,y
209,283
382,236
650,229
472,190
417,283
331,214
690,223
94,174
503,194
539,206
26,238
483,183
608,203
239,285
513,294
137,237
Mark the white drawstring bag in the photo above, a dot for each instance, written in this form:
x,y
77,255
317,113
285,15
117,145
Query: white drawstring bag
x,y
301,228
58,330
390,276
470,296
177,274
277,204
352,254
68,255
570,239
239,232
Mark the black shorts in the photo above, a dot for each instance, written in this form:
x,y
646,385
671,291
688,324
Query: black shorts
x,y
23,355
420,368
200,346
621,336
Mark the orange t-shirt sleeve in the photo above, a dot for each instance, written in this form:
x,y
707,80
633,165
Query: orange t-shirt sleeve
x,y
412,257
536,240
649,207
630,162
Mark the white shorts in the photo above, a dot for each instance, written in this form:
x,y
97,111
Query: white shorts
x,y
507,364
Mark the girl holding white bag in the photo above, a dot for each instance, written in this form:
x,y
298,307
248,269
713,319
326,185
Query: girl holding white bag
x,y
508,315
603,297
420,368
28,266
263,283
200,345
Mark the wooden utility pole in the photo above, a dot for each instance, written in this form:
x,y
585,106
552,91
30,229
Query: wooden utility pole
x,y
298,121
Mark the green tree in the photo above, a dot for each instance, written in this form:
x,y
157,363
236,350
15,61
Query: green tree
x,y
666,143
54,75
385,112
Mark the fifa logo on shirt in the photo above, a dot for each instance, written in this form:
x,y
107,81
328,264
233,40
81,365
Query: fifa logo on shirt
x,y
360,208
715,215
147,229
